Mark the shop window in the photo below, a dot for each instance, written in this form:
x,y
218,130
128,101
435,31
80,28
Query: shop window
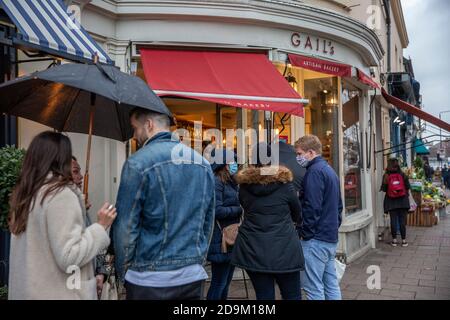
x,y
282,127
321,116
352,155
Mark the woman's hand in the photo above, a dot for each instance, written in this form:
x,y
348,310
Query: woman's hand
x,y
100,279
106,215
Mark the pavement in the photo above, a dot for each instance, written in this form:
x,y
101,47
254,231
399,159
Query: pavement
x,y
420,271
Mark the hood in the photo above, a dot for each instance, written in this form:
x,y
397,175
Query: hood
x,y
258,184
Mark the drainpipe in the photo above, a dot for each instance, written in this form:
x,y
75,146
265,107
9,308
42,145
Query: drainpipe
x,y
387,9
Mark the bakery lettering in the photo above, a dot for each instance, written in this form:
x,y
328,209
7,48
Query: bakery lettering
x,y
312,43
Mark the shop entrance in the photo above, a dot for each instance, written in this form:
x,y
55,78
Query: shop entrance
x,y
320,115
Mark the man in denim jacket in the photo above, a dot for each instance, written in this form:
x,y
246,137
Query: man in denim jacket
x,y
165,213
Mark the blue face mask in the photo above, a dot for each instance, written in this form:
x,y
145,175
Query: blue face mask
x,y
302,161
233,168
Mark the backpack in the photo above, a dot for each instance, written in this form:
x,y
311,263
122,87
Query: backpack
x,y
396,186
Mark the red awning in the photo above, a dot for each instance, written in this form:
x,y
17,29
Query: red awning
x,y
245,80
415,111
364,78
319,65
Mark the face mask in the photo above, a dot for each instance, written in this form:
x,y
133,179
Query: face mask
x,y
302,161
233,168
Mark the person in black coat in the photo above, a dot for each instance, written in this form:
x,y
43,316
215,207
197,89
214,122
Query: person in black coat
x,y
267,245
228,211
398,207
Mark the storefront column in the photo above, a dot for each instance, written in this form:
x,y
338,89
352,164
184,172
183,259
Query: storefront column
x,y
297,128
356,235
369,179
116,150
242,138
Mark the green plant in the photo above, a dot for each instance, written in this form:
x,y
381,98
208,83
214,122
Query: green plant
x,y
11,160
4,293
418,163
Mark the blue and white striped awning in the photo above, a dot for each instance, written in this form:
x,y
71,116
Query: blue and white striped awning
x,y
47,25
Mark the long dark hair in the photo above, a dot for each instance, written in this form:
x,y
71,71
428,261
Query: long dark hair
x,y
49,152
393,166
224,175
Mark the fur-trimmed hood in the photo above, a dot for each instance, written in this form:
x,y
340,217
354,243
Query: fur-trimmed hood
x,y
271,175
265,180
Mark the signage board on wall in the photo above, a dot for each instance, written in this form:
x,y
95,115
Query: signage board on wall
x,y
312,44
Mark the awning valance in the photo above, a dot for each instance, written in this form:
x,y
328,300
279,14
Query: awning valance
x,y
322,66
238,79
415,111
46,26
364,78
331,68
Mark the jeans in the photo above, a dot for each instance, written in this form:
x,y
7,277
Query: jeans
x,y
222,274
191,291
398,221
263,283
319,279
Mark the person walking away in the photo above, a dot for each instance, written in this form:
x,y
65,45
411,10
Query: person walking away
x,y
267,246
165,215
322,215
445,176
428,170
51,242
396,201
228,212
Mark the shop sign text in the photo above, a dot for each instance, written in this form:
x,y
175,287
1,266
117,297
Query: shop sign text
x,y
313,44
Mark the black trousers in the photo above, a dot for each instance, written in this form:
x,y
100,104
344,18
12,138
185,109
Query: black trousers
x,y
191,291
398,217
264,285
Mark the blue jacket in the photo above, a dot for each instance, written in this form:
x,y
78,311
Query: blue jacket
x,y
228,211
321,203
165,208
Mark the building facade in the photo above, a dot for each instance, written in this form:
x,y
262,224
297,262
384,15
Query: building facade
x,y
349,116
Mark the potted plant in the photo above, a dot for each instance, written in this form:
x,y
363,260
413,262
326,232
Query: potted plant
x,y
4,293
11,160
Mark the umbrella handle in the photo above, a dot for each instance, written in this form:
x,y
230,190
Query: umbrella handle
x,y
88,154
86,188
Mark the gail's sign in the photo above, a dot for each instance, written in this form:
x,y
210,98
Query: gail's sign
x,y
312,44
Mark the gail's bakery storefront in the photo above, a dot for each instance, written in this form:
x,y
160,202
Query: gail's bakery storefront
x,y
291,69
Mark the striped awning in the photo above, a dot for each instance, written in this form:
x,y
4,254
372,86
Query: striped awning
x,y
46,25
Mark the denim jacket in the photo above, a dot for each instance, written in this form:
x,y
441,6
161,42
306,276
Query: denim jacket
x,y
165,208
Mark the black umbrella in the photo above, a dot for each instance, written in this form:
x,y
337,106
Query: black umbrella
x,y
84,98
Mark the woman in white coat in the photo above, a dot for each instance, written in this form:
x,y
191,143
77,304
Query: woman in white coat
x,y
52,250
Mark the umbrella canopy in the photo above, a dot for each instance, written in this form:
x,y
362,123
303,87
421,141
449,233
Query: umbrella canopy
x,y
62,98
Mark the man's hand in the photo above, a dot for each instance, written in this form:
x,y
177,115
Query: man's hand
x,y
100,279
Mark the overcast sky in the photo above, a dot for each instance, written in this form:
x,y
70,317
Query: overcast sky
x,y
428,24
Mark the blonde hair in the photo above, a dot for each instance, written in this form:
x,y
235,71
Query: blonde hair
x,y
309,142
